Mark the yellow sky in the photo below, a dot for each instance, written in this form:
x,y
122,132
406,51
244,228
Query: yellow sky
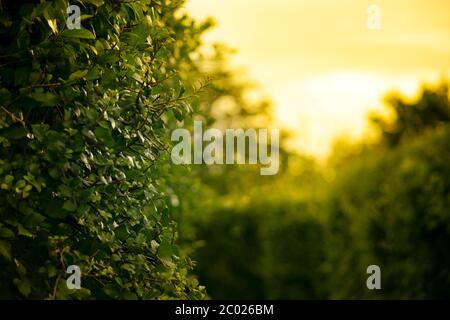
x,y
320,63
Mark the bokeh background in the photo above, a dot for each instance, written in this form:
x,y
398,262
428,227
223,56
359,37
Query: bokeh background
x,y
365,171
321,64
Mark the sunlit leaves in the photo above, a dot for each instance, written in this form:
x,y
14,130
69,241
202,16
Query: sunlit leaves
x,y
78,33
83,136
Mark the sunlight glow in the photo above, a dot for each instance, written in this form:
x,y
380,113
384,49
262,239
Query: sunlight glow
x,y
321,65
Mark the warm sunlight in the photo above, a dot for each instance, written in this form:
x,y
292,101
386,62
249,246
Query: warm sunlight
x,y
321,64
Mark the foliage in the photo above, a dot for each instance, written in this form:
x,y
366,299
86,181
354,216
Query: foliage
x,y
412,118
264,239
85,176
264,250
391,210
86,179
312,231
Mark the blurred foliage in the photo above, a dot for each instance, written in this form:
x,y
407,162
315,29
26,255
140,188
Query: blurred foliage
x,y
311,231
412,118
392,209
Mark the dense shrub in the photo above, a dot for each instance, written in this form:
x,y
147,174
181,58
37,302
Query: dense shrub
x,y
84,175
414,117
388,208
264,250
392,210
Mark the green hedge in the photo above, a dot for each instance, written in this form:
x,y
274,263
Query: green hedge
x,y
392,209
263,251
388,207
84,123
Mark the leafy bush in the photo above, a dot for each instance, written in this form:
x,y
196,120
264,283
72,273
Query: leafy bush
x,y
412,118
84,175
391,209
311,232
266,250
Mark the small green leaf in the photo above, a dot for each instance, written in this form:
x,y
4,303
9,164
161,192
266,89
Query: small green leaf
x,y
23,231
52,207
24,287
20,184
39,130
102,133
65,190
157,89
51,271
122,232
105,214
178,114
97,3
6,233
5,249
9,179
165,250
46,98
70,205
92,74
14,132
154,246
77,75
78,33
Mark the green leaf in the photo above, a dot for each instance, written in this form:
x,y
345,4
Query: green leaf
x,y
14,132
5,249
34,219
70,205
77,75
105,214
154,246
21,76
157,89
52,207
24,287
9,179
46,98
133,174
92,74
178,114
165,250
52,271
6,233
122,232
20,184
86,16
97,3
23,232
102,133
78,33
130,296
5,95
65,190
39,130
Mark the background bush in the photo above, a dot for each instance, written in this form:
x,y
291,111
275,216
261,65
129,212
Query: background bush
x,y
312,231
